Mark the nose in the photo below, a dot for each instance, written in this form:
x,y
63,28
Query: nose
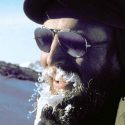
x,y
53,49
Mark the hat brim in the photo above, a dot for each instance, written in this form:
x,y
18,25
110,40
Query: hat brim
x,y
37,10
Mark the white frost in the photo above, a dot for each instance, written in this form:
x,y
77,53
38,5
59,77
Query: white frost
x,y
46,98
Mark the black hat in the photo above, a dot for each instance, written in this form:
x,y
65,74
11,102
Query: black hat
x,y
111,12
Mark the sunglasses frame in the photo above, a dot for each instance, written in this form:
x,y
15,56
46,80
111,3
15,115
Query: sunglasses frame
x,y
55,31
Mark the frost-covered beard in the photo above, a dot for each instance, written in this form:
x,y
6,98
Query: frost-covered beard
x,y
55,90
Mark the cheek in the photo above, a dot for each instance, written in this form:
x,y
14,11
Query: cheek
x,y
98,58
93,61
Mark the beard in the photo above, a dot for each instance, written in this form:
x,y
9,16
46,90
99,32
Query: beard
x,y
63,99
57,89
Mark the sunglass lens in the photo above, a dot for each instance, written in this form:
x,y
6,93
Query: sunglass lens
x,y
43,39
73,43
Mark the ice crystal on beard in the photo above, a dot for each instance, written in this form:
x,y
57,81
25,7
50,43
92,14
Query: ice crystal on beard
x,y
66,113
34,96
33,100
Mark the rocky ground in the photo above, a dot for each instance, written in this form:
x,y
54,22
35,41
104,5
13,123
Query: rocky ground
x,y
15,71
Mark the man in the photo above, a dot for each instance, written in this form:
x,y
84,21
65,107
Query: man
x,y
87,38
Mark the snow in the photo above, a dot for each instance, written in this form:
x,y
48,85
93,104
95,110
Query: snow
x,y
25,64
33,65
14,105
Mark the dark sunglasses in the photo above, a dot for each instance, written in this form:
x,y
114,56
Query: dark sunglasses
x,y
73,43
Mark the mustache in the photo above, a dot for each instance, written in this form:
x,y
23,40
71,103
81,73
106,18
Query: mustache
x,y
57,73
67,66
71,81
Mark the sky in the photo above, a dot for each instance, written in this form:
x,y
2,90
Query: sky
x,y
17,44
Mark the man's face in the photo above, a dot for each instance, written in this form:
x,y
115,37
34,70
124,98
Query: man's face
x,y
90,78
92,62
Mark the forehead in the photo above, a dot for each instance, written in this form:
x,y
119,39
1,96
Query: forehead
x,y
73,23
61,23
